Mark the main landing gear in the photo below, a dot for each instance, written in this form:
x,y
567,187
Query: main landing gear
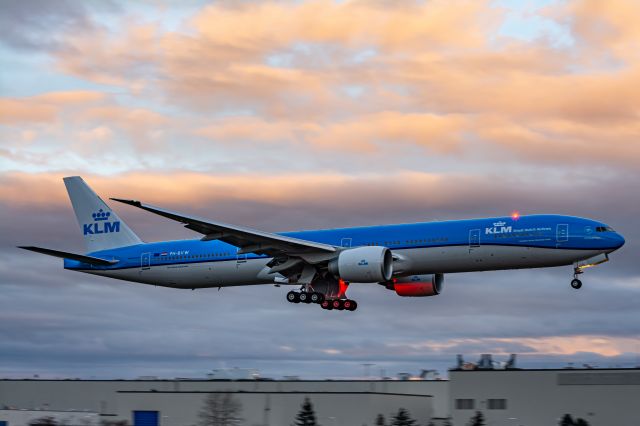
x,y
340,305
318,298
575,282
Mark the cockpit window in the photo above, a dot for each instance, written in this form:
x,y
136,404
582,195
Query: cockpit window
x,y
604,229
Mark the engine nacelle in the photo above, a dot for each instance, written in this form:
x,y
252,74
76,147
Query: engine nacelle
x,y
418,285
363,264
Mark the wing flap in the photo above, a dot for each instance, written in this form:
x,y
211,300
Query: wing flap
x,y
73,256
249,240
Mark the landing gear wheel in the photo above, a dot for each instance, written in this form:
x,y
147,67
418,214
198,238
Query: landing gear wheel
x,y
348,305
305,297
326,304
337,304
354,305
317,298
293,297
576,283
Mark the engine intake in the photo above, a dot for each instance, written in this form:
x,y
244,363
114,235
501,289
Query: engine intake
x,y
418,285
363,264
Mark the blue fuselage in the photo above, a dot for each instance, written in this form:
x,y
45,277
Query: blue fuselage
x,y
457,246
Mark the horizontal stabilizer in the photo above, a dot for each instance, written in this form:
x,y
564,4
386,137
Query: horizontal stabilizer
x,y
65,255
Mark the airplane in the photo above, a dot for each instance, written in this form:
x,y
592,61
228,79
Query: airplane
x,y
409,259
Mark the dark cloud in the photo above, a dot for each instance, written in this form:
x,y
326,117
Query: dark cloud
x,y
58,322
39,24
455,132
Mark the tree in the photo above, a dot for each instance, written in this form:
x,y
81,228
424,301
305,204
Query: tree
x,y
306,416
582,422
477,420
402,418
220,410
566,420
380,421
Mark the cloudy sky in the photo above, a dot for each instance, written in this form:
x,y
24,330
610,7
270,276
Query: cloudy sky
x,y
306,114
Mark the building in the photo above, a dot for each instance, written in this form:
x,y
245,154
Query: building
x,y
508,396
264,402
602,397
69,418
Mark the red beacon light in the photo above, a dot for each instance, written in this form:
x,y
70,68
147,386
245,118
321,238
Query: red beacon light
x,y
515,215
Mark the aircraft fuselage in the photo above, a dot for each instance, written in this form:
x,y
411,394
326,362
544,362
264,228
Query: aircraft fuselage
x,y
421,248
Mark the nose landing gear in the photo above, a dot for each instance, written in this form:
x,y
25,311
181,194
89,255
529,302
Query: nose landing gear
x,y
575,282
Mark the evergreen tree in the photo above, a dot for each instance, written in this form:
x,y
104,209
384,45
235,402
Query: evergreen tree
x,y
477,420
566,420
582,422
380,421
402,418
306,416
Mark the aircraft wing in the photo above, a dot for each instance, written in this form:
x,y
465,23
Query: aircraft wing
x,y
249,240
73,256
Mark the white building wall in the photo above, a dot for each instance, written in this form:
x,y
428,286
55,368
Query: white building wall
x,y
541,397
24,417
100,395
279,409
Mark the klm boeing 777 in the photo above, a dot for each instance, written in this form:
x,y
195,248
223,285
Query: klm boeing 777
x,y
409,259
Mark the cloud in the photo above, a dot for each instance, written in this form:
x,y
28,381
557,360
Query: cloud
x,y
606,27
418,82
45,107
316,114
289,201
18,112
38,25
361,134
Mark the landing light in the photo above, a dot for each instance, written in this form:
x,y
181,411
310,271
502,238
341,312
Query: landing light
x,y
515,215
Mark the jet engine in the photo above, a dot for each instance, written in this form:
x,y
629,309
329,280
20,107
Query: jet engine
x,y
363,264
417,285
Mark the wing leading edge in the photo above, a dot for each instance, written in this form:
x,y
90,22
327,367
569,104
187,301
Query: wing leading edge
x,y
249,240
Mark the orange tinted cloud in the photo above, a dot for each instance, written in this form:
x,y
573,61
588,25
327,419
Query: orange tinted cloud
x,y
441,133
544,345
44,107
196,189
358,75
608,26
401,24
14,111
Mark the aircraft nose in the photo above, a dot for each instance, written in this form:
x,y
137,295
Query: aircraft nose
x,y
617,240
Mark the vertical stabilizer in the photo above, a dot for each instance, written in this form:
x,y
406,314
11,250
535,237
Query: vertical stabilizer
x,y
101,227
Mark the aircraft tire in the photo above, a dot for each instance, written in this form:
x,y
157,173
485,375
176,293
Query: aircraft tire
x,y
317,298
576,283
293,297
305,298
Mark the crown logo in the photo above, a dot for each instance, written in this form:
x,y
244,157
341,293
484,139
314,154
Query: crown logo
x,y
101,215
501,223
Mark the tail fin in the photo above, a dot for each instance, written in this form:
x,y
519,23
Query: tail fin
x,y
101,226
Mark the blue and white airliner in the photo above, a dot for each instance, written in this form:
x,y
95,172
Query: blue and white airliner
x,y
410,259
